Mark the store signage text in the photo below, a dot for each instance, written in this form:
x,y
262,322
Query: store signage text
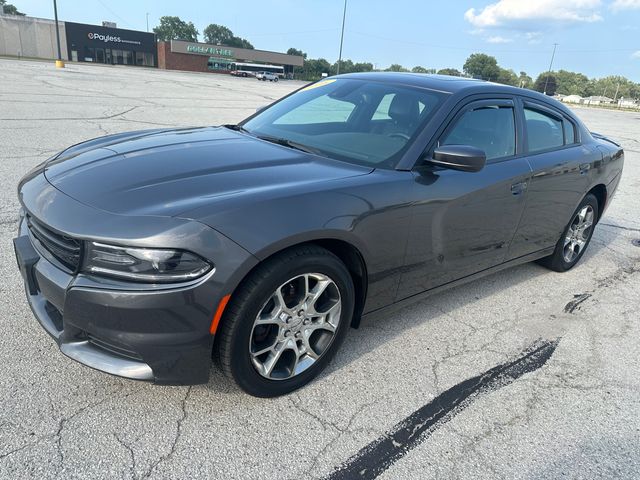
x,y
109,38
225,52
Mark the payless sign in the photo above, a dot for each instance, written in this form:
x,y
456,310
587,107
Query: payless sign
x,y
109,38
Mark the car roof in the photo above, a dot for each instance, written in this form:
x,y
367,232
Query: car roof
x,y
444,83
454,85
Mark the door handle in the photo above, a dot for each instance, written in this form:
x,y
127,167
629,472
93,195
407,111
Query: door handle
x,y
584,168
518,188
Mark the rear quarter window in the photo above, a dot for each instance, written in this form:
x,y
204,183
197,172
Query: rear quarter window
x,y
569,132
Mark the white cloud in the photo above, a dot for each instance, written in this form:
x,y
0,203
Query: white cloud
x,y
498,39
618,5
635,54
533,37
514,13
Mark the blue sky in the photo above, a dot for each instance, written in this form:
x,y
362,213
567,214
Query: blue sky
x,y
596,37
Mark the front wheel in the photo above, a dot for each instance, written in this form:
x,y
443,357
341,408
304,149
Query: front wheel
x,y
286,321
275,79
575,238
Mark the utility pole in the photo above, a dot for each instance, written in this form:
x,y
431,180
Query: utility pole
x,y
615,97
59,62
546,82
344,16
147,21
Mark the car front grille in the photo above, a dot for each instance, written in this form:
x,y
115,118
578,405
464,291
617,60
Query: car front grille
x,y
65,250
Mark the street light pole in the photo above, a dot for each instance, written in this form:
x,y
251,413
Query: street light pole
x,y
147,21
59,62
344,16
550,65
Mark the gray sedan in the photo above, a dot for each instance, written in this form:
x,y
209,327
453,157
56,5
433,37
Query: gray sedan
x,y
146,253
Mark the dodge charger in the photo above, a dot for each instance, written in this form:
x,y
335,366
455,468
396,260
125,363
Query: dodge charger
x,y
257,246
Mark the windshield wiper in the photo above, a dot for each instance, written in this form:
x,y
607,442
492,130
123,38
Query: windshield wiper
x,y
237,128
285,142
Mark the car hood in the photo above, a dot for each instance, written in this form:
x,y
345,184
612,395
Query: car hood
x,y
169,172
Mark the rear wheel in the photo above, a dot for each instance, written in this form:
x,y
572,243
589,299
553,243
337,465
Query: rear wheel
x,y
286,321
575,238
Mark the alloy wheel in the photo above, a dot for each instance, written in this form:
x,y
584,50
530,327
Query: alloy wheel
x,y
578,233
295,326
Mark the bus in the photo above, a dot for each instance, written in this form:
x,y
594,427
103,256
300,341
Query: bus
x,y
250,69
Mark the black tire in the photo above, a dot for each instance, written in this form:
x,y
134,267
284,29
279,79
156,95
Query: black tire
x,y
275,79
557,261
231,347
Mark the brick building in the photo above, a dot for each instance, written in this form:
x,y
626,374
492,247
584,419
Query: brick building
x,y
202,57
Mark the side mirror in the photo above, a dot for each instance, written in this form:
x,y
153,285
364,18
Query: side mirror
x,y
459,157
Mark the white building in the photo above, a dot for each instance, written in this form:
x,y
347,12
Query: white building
x,y
573,99
628,103
597,100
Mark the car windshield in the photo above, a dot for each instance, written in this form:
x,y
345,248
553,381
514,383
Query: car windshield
x,y
362,122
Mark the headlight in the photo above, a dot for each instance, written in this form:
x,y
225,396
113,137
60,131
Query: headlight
x,y
143,264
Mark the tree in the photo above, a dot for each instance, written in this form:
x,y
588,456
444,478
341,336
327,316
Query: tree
x,y
419,69
363,67
221,35
295,51
217,34
524,80
480,65
172,28
571,83
548,79
395,67
313,69
9,9
346,66
507,77
239,43
450,71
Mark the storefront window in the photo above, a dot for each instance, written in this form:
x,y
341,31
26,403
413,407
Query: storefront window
x,y
148,59
219,64
117,57
128,57
89,54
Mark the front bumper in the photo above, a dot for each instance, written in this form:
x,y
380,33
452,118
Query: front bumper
x,y
159,336
157,333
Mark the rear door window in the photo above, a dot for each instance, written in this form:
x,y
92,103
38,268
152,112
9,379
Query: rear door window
x,y
544,131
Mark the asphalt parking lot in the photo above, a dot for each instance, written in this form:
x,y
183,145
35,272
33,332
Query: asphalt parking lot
x,y
524,374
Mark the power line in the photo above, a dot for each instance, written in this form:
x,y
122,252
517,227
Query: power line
x,y
490,49
114,14
324,30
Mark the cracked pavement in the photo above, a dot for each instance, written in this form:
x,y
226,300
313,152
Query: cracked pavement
x,y
577,416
